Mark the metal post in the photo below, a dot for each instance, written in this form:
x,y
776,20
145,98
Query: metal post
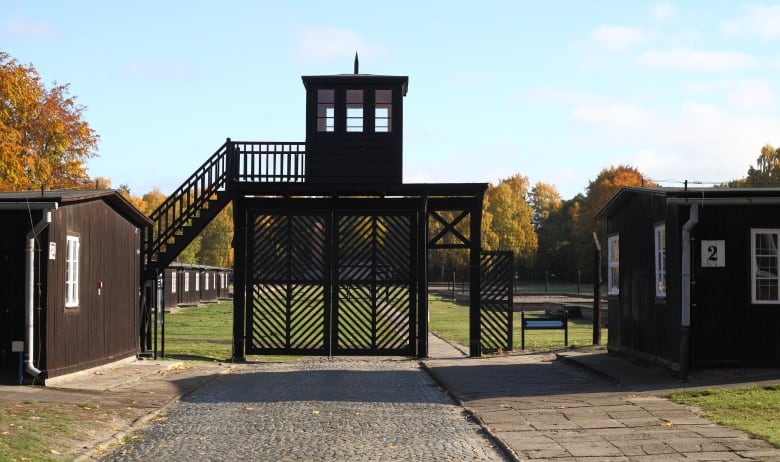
x,y
161,310
453,286
522,328
596,291
579,274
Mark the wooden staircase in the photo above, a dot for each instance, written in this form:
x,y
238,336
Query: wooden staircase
x,y
184,214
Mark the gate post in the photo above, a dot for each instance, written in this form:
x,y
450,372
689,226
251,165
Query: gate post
x,y
422,278
239,278
475,245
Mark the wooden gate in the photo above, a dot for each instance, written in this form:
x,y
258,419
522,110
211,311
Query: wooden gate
x,y
331,282
496,300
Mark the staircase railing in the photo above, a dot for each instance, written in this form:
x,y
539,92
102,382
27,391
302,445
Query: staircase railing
x,y
233,162
186,202
270,162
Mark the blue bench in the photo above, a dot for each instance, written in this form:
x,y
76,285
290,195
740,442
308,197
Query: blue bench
x,y
545,323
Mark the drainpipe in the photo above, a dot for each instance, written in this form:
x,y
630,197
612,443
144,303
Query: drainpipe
x,y
685,305
29,290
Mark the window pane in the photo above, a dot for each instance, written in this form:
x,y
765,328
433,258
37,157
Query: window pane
x,y
614,285
383,111
326,110
72,271
660,261
354,110
765,267
766,290
613,263
614,251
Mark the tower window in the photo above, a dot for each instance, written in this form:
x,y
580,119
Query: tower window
x,y
354,110
326,110
383,111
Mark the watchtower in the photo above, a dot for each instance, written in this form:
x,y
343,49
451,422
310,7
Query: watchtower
x,y
330,245
354,128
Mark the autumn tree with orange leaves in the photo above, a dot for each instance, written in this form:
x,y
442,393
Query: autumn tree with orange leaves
x,y
599,191
44,142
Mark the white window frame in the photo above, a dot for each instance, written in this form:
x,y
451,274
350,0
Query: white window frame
x,y
206,282
383,111
354,106
72,270
613,265
659,234
326,110
186,281
197,282
173,282
771,257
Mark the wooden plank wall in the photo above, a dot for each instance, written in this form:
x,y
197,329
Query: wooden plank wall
x,y
104,327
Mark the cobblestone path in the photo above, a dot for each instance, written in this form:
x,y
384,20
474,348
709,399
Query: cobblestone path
x,y
374,409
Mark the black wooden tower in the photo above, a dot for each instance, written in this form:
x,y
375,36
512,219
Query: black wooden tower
x,y
330,244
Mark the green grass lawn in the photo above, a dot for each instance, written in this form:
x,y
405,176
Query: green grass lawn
x,y
450,320
755,410
202,332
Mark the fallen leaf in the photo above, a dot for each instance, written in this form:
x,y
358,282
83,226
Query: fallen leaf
x,y
315,412
54,451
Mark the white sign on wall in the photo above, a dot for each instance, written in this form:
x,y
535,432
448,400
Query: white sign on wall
x,y
713,254
52,250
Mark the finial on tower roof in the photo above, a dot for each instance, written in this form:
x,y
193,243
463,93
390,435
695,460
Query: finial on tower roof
x,y
357,64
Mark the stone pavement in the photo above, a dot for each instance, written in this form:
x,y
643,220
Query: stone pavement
x,y
539,407
315,409
581,404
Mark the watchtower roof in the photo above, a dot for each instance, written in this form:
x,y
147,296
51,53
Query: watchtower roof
x,y
401,81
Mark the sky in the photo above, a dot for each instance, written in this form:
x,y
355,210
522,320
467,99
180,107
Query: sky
x,y
556,91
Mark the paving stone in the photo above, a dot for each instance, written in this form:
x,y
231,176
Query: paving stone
x,y
340,410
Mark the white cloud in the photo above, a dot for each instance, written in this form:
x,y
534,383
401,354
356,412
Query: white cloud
x,y
752,95
684,59
740,94
554,95
322,44
611,116
617,38
19,27
759,20
663,11
694,141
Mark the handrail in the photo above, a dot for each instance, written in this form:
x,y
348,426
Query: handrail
x,y
234,161
270,162
184,203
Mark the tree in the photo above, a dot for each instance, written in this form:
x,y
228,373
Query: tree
x,y
508,224
767,171
599,191
43,140
544,199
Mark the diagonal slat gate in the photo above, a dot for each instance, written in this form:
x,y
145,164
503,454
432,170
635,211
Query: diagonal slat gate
x,y
288,285
375,303
331,283
496,300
